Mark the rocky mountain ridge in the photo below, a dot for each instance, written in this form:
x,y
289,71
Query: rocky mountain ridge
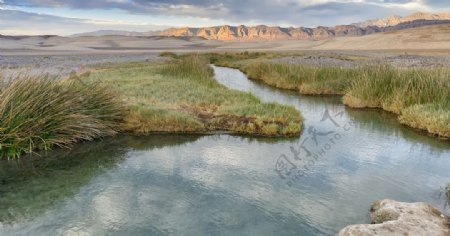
x,y
263,32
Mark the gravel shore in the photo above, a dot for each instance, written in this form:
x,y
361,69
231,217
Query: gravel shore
x,y
341,60
61,65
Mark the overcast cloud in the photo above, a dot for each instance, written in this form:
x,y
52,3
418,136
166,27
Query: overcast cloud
x,y
73,16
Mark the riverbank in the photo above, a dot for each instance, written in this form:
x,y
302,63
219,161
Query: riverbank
x,y
176,96
419,96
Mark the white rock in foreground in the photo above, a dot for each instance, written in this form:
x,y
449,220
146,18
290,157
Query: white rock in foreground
x,y
394,218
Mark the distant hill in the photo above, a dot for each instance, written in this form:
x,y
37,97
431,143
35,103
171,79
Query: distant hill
x,y
263,32
113,32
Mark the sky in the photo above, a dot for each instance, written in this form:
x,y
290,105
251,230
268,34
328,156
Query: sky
x,y
31,17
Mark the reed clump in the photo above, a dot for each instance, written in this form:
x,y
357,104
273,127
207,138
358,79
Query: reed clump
x,y
37,113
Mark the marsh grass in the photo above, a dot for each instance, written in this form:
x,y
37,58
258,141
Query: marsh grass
x,y
306,79
42,112
395,89
181,96
420,97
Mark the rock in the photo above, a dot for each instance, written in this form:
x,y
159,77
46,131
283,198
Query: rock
x,y
322,32
348,30
207,33
179,32
267,33
300,33
392,218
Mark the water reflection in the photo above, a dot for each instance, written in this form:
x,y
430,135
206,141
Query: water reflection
x,y
33,184
382,122
211,186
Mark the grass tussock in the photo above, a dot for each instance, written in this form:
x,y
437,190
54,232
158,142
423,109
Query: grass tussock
x,y
182,96
42,112
421,97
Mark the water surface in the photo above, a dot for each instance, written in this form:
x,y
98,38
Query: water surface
x,y
229,185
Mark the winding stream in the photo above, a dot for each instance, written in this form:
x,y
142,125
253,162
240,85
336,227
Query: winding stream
x,y
229,185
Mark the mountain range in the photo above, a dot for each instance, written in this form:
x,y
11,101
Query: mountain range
x,y
263,32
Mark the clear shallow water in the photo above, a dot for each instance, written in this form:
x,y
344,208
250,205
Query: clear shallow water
x,y
228,185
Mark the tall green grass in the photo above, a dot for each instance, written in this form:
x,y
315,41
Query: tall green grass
x,y
304,78
421,97
395,89
42,112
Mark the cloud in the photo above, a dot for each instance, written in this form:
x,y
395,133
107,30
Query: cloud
x,y
247,6
14,22
438,4
308,13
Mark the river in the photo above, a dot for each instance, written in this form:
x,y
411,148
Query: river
x,y
229,185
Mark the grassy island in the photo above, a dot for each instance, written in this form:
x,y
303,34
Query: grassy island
x,y
175,96
181,96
